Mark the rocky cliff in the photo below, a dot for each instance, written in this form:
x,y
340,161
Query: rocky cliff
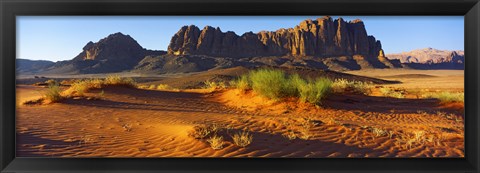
x,y
323,37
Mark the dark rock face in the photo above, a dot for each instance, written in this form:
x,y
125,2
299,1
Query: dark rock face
x,y
323,37
115,53
456,58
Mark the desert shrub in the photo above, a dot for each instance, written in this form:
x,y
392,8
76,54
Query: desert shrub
x,y
315,91
294,84
290,135
95,83
447,97
305,133
78,88
241,83
377,132
214,85
117,80
200,131
163,87
343,85
51,82
53,93
242,139
216,142
269,83
152,87
388,92
418,137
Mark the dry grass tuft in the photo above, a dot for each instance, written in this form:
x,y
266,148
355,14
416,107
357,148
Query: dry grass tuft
x,y
447,97
290,135
216,142
378,132
388,92
163,87
53,94
345,86
80,87
242,139
200,131
214,85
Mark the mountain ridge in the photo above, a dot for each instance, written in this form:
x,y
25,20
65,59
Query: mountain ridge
x,y
313,44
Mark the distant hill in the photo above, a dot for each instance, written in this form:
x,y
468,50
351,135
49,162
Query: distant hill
x,y
430,58
429,55
32,66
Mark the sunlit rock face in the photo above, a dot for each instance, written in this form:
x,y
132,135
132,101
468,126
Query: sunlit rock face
x,y
323,37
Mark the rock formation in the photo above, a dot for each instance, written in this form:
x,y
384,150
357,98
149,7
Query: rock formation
x,y
323,37
114,53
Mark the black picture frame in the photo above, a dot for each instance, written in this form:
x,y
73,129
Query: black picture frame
x,y
470,9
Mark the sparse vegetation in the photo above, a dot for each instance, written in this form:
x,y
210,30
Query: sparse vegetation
x,y
388,92
447,97
116,80
358,87
216,142
163,87
80,87
214,85
242,139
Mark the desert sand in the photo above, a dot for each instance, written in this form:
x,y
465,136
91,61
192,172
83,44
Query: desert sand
x,y
129,122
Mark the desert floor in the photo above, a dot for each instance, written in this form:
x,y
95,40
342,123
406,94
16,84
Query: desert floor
x,y
130,122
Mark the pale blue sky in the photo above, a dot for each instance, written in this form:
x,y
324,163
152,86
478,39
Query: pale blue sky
x,y
63,37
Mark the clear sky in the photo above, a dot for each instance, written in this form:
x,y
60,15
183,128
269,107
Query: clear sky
x,y
62,38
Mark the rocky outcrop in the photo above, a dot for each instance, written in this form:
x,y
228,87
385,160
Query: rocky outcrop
x,y
323,37
114,53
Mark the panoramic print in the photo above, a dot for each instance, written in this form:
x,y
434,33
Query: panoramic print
x,y
240,86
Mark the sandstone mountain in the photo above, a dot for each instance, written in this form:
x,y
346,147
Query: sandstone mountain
x,y
429,55
115,53
323,37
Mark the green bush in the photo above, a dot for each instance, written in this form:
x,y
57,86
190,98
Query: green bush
x,y
275,84
314,91
269,83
